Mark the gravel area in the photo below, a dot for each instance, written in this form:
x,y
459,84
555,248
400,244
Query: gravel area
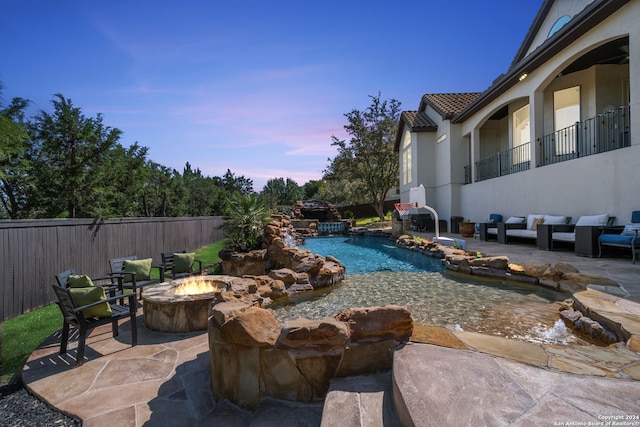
x,y
18,407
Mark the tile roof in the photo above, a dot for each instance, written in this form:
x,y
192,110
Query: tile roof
x,y
448,104
418,121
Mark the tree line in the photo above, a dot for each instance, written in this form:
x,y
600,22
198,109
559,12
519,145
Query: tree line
x,y
63,164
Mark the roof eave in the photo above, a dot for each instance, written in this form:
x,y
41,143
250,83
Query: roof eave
x,y
591,16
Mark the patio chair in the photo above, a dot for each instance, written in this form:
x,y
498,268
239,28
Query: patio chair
x,y
627,236
110,282
89,309
135,273
179,264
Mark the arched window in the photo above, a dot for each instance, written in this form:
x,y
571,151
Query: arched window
x,y
559,24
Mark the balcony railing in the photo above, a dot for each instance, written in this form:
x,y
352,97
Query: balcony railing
x,y
605,132
516,159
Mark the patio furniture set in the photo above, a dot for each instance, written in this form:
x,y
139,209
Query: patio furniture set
x,y
588,235
87,303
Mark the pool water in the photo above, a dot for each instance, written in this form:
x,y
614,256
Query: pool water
x,y
380,273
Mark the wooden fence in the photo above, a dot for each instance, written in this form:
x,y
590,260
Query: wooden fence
x,y
34,251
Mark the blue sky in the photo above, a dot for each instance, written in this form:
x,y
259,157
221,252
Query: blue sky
x,y
256,87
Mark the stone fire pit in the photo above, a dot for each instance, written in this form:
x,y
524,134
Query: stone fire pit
x,y
167,310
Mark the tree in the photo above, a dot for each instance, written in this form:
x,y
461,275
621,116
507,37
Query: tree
x,y
205,196
14,167
244,221
163,193
278,192
312,189
231,183
366,165
126,175
72,164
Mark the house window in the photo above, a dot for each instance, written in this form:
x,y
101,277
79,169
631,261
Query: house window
x,y
406,158
566,112
521,135
558,24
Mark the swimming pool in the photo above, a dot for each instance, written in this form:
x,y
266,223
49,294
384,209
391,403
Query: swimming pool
x,y
379,273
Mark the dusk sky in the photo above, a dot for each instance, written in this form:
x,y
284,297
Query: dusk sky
x,y
257,87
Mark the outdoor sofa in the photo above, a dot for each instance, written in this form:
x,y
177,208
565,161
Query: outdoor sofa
x,y
519,227
583,235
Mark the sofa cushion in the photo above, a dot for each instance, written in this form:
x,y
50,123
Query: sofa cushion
x,y
593,220
537,222
531,218
520,232
631,229
555,219
515,220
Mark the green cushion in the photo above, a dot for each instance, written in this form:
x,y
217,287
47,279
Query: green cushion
x,y
87,295
142,268
79,281
183,263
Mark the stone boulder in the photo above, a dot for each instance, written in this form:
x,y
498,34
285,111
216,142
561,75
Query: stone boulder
x,y
494,262
372,324
288,277
322,336
531,269
588,327
224,311
244,263
253,327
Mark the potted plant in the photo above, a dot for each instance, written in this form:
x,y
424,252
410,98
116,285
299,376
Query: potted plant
x,y
467,228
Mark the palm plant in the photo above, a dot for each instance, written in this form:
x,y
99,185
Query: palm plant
x,y
243,224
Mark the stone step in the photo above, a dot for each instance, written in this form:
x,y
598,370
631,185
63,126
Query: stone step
x,y
360,401
438,386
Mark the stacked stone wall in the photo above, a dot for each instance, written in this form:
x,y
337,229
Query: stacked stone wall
x,y
253,356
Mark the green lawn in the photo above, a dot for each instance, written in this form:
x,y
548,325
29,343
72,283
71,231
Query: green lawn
x,y
363,222
22,334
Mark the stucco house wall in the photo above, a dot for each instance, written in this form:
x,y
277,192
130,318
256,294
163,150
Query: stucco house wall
x,y
606,182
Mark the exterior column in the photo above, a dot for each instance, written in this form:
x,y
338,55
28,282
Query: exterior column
x,y
536,110
475,150
634,84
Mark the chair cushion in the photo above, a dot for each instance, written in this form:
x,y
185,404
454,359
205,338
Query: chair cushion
x,y
635,216
515,220
183,263
495,218
79,281
142,268
531,218
555,219
631,229
615,239
593,220
88,295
